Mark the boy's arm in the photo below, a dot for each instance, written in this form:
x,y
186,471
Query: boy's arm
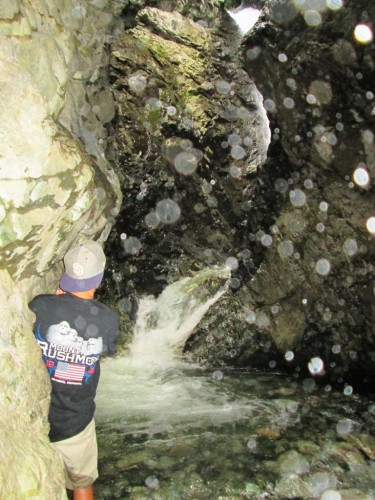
x,y
112,335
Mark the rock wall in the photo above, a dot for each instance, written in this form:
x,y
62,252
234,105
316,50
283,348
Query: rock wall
x,y
312,295
192,133
315,72
56,186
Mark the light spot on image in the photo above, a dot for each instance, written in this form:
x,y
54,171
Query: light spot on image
x,y
361,176
212,202
186,163
348,390
266,240
199,208
235,171
234,139
312,18
321,91
288,102
262,320
137,83
285,249
363,34
132,245
281,185
370,225
153,103
237,152
297,197
323,267
344,426
250,317
168,211
234,283
269,105
217,375
311,99
316,366
331,495
99,193
252,444
275,309
289,356
124,305
334,4
253,53
79,12
231,263
152,482
336,349
350,247
152,220
222,87
171,110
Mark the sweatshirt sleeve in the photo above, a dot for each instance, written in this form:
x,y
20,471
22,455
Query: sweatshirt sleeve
x,y
112,336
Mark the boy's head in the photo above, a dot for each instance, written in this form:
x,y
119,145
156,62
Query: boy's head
x,y
84,267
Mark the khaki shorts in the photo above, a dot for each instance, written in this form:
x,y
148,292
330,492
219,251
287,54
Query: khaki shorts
x,y
80,455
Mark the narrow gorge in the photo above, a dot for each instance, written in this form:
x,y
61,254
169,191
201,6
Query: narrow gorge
x,y
184,144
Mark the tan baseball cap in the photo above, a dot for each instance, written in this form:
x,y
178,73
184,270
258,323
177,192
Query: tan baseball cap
x,y
84,267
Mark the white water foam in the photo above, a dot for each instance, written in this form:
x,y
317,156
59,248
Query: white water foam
x,y
153,389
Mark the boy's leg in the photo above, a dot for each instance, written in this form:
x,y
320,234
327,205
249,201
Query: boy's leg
x,y
83,493
80,455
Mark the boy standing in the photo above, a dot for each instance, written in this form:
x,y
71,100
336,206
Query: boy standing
x,y
73,330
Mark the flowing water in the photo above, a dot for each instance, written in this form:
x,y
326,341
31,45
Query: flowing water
x,y
170,430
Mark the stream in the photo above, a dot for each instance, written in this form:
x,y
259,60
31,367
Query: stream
x,y
171,430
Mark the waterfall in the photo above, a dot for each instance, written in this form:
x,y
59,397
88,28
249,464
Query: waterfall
x,y
164,324
245,18
149,379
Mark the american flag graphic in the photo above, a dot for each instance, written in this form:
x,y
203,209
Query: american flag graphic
x,y
69,372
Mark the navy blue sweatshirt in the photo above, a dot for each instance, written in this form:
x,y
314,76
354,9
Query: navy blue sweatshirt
x,y
72,334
